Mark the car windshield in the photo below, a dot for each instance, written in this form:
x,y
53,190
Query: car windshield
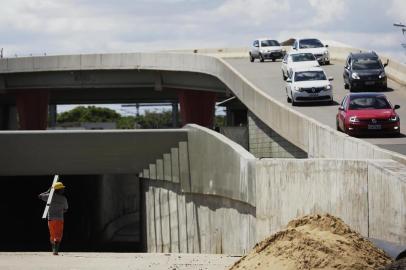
x,y
364,64
310,76
300,57
268,43
368,103
310,43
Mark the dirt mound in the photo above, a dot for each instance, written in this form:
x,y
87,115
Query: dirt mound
x,y
314,242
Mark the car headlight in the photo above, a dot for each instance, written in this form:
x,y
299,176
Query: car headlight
x,y
297,88
355,76
328,87
382,75
325,53
354,119
394,118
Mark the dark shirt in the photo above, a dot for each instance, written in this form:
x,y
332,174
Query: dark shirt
x,y
59,205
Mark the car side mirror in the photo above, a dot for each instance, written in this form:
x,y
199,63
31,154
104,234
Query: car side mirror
x,y
396,107
289,80
256,46
387,63
330,78
326,46
341,108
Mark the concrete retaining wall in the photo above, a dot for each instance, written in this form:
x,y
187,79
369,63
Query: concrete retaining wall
x,y
118,208
196,192
196,223
195,213
369,195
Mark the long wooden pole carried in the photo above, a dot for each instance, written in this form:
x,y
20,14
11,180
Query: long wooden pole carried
x,y
51,194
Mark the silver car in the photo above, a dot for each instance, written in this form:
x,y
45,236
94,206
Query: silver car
x,y
266,49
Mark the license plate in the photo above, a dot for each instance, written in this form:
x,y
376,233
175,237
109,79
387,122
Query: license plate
x,y
313,94
369,83
374,127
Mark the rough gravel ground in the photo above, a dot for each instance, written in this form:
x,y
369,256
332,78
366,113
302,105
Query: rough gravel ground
x,y
114,261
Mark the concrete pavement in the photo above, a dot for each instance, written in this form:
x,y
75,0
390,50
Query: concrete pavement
x,y
116,261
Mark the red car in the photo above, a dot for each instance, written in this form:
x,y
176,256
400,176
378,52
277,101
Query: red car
x,y
367,113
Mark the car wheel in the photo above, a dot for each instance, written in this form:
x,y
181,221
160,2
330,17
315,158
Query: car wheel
x,y
351,88
283,76
346,86
337,126
273,59
251,58
261,58
293,100
288,99
327,62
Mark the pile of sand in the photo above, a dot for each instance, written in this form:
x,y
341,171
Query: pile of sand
x,y
314,242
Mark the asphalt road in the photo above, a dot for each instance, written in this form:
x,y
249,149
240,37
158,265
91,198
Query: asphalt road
x,y
267,76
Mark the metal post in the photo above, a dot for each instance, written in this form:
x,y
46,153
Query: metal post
x,y
175,114
52,115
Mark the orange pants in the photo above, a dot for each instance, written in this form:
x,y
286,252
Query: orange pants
x,y
55,230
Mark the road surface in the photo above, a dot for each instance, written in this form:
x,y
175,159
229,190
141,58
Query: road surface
x,y
267,76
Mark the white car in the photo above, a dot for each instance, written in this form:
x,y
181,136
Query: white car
x,y
308,85
266,49
314,46
295,60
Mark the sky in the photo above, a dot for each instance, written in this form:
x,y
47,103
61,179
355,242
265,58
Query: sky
x,y
87,26
37,27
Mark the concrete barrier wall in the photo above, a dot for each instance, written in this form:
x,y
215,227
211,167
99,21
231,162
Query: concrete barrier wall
x,y
196,192
194,214
219,166
369,195
196,223
387,201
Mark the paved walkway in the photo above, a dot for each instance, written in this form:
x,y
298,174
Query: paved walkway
x,y
115,261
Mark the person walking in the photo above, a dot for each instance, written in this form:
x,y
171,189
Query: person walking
x,y
57,209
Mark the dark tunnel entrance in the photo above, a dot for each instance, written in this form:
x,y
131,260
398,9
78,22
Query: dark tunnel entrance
x,y
103,215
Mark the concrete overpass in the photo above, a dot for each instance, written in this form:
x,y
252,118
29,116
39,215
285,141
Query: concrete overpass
x,y
217,182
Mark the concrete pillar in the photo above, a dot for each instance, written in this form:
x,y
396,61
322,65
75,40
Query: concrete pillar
x,y
32,107
4,117
197,107
8,117
175,114
52,115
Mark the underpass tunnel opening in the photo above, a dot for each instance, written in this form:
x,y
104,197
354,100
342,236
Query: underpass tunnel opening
x,y
103,215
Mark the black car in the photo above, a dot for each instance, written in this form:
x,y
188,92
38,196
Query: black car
x,y
364,70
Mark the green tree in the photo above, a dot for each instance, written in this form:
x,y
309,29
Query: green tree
x,y
89,114
161,119
126,122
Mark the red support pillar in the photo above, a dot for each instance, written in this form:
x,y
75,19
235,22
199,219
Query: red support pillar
x,y
197,107
32,107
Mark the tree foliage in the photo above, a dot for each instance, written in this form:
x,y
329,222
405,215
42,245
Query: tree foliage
x,y
88,114
151,119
